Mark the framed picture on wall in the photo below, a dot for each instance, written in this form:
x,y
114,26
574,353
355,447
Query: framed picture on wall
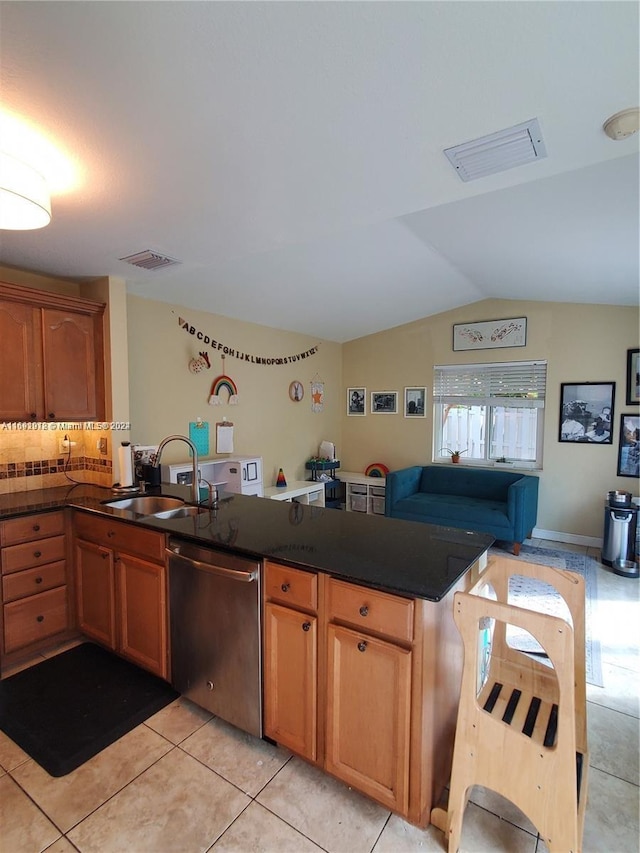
x,y
586,412
356,401
629,448
384,402
633,377
415,400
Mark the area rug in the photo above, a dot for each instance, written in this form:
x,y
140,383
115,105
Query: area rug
x,y
68,708
540,596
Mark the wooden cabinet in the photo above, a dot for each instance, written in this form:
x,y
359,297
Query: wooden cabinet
x,y
95,592
121,589
372,684
35,591
290,659
51,356
369,690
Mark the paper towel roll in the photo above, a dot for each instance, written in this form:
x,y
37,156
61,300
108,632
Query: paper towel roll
x,y
125,460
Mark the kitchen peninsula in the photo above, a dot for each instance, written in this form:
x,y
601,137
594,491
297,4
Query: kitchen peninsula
x,y
362,659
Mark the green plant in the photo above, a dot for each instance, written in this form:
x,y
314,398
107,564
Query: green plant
x,y
452,453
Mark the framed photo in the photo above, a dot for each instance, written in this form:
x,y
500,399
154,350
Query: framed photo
x,y
296,391
384,402
491,334
415,400
633,377
356,401
629,448
586,412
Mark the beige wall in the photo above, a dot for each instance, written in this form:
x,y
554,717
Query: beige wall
x,y
582,343
165,396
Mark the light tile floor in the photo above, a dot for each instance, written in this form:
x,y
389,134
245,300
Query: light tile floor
x,y
186,782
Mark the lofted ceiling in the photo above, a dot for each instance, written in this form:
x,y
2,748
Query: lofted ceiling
x,y
290,155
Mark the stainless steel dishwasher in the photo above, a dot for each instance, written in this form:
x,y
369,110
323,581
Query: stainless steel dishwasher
x,y
214,601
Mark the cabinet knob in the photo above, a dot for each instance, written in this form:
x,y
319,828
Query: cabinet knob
x,y
33,416
52,415
210,685
36,527
306,626
37,554
40,619
38,580
110,533
285,587
362,646
364,610
104,555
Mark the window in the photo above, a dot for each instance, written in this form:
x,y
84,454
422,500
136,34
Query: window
x,y
492,412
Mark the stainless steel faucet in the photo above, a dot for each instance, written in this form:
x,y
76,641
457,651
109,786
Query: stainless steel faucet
x,y
195,489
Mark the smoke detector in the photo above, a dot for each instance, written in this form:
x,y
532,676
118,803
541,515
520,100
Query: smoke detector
x,y
622,124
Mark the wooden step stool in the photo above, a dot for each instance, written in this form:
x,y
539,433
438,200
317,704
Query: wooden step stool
x,y
522,732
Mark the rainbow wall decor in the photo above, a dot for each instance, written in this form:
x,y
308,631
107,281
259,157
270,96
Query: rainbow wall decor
x,y
220,384
376,469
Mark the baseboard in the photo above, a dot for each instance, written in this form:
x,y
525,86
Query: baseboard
x,y
570,538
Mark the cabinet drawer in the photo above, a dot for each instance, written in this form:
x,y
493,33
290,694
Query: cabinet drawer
x,y
120,536
29,527
37,553
32,581
291,586
370,610
34,618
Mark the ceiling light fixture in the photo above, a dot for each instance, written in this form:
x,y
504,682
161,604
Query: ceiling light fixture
x,y
622,124
24,196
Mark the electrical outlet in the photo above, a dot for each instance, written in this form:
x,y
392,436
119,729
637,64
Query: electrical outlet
x,y
66,445
101,445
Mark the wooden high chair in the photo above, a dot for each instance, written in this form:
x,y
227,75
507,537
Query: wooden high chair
x,y
522,732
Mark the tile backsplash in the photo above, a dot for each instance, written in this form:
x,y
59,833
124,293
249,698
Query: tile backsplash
x,y
32,458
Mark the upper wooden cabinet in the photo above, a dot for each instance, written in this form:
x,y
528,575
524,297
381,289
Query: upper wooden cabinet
x,y
51,356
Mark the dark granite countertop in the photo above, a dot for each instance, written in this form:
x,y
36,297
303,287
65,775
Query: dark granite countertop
x,y
404,557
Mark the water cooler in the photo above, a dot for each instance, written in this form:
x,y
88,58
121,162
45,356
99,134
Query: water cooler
x,y
620,530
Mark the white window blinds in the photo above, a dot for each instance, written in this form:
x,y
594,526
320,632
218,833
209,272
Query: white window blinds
x,y
518,384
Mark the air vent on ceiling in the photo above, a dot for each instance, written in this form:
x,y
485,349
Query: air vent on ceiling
x,y
149,260
499,151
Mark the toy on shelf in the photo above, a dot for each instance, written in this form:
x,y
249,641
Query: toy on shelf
x,y
376,469
281,482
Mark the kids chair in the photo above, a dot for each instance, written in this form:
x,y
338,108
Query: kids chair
x,y
522,730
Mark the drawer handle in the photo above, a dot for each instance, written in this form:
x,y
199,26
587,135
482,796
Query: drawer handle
x,y
111,533
37,554
285,587
36,527
306,626
364,610
362,646
38,580
40,619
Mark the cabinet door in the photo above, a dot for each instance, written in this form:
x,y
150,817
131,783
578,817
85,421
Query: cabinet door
x,y
143,613
368,707
69,352
290,679
20,362
95,590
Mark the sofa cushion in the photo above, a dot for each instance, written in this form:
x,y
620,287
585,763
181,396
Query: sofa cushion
x,y
468,482
455,510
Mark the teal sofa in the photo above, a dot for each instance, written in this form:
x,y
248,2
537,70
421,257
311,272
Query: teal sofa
x,y
502,503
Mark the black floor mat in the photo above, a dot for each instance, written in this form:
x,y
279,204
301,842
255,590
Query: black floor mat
x,y
68,708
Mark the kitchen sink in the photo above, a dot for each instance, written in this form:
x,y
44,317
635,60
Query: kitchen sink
x,y
180,512
147,504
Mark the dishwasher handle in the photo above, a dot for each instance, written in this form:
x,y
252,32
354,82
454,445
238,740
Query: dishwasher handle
x,y
211,568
